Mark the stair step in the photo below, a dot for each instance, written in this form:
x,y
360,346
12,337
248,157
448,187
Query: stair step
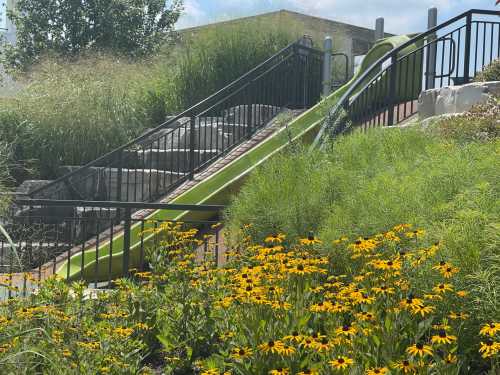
x,y
173,160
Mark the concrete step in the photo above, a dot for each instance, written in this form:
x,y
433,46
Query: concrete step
x,y
173,160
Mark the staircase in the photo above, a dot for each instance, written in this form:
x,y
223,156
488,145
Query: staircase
x,y
155,163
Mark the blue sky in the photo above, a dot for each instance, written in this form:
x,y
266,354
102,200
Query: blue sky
x,y
400,16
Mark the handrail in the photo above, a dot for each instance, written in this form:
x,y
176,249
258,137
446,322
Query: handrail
x,y
114,204
392,54
242,80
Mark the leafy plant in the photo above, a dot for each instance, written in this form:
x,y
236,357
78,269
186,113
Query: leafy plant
x,y
66,28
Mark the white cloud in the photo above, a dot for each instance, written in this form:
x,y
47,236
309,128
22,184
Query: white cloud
x,y
193,14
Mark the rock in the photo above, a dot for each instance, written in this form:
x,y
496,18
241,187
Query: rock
x,y
58,191
455,99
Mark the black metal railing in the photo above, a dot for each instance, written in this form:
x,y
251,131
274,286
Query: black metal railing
x,y
154,164
94,241
452,53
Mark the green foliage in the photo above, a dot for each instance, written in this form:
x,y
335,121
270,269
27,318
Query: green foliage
x,y
367,182
211,59
70,112
67,28
490,73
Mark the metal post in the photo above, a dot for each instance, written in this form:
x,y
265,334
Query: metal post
x,y
392,88
327,66
192,129
379,28
119,177
431,50
468,32
126,241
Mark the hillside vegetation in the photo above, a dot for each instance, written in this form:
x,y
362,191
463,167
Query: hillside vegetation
x,y
70,112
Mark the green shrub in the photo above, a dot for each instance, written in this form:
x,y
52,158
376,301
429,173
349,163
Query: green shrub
x,y
490,73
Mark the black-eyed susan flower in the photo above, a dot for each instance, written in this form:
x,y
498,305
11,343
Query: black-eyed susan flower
x,y
271,346
341,363
307,342
443,288
280,371
458,315
422,310
308,371
411,302
295,336
310,240
443,338
450,359
286,350
419,349
241,353
448,271
490,329
405,366
323,344
489,348
383,290
275,238
346,330
377,371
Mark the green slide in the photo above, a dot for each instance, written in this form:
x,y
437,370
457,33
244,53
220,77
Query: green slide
x,y
218,188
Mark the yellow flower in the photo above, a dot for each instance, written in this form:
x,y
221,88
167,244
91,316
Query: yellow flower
x,y
310,240
280,371
462,293
323,344
377,371
460,315
294,337
450,359
489,348
419,349
383,290
422,310
346,330
275,238
271,346
341,363
443,338
240,353
308,371
443,288
415,234
405,366
490,329
411,302
286,350
448,271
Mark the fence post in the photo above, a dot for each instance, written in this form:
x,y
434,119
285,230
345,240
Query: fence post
x,y
431,50
327,66
126,241
192,129
379,28
468,32
392,88
119,178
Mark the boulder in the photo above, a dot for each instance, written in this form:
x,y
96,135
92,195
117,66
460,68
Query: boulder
x,y
455,99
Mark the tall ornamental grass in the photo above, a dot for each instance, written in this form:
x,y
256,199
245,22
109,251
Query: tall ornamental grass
x,y
71,112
